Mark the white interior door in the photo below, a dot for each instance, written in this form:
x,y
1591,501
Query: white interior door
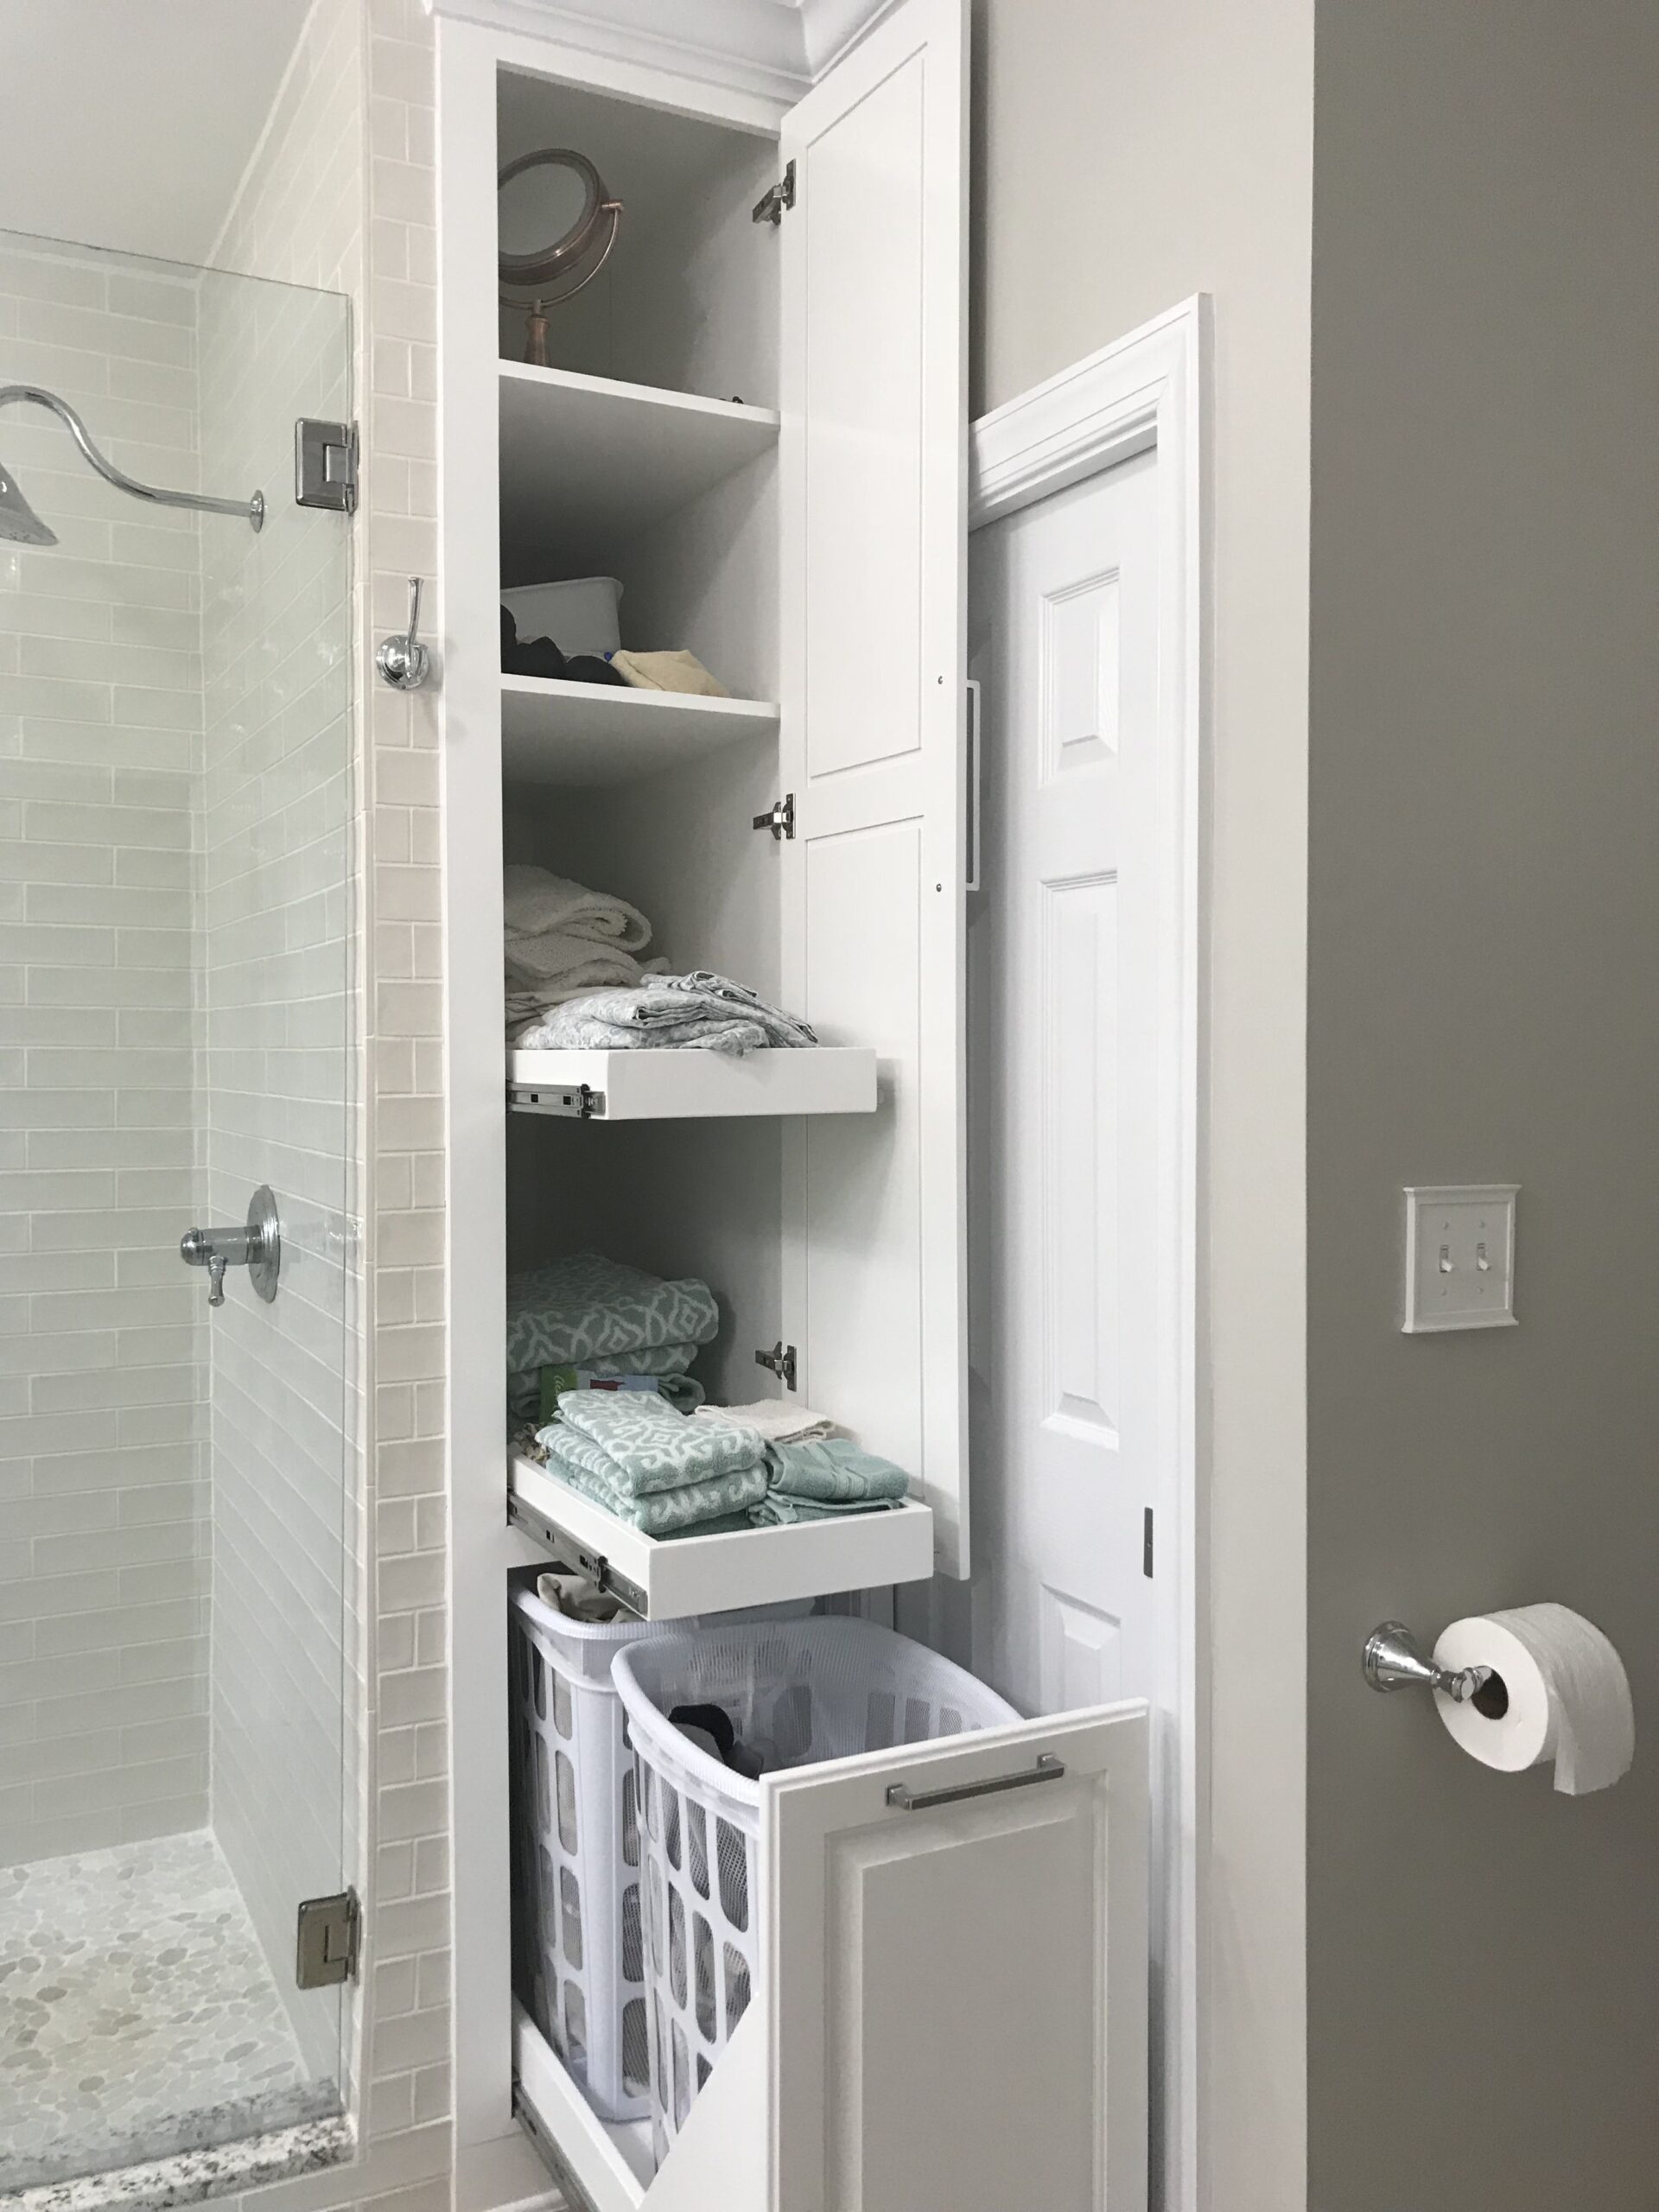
x,y
955,1972
1070,1461
873,477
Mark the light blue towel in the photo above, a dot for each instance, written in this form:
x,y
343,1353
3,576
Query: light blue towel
x,y
820,1477
638,1446
694,1509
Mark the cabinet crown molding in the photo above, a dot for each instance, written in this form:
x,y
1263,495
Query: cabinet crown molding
x,y
776,47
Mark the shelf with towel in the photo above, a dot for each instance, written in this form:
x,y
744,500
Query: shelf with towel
x,y
587,463
586,735
642,1085
661,1577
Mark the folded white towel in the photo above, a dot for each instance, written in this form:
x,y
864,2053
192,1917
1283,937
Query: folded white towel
x,y
528,1001
777,1422
539,904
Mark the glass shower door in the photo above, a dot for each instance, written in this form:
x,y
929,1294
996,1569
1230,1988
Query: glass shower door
x,y
177,1461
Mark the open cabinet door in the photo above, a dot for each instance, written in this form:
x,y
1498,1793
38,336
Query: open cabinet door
x,y
873,457
955,1974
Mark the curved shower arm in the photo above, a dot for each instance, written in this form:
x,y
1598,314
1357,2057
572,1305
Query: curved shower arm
x,y
251,511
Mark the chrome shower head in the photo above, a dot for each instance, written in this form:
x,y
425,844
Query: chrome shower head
x,y
18,520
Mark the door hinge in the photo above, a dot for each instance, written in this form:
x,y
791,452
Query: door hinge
x,y
1146,1543
780,1361
769,208
780,817
330,1935
324,465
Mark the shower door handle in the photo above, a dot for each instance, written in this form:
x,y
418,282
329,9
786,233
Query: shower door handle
x,y
257,1246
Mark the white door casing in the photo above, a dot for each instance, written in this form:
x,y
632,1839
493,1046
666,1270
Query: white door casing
x,y
1086,635
873,474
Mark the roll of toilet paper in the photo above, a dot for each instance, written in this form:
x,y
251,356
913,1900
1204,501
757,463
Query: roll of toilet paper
x,y
1565,1696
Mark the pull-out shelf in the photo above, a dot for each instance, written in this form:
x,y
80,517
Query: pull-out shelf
x,y
662,1578
642,1085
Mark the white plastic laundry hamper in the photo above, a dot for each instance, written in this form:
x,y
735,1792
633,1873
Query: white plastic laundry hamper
x,y
796,1692
578,1962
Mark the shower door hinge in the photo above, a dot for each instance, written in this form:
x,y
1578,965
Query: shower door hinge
x,y
769,208
780,817
780,1361
329,1936
324,465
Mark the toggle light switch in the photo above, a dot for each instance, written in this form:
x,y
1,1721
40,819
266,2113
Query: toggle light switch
x,y
1460,1257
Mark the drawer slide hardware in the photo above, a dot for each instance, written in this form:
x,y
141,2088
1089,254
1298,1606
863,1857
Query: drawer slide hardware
x,y
567,1552
780,1361
570,1102
779,818
1047,1769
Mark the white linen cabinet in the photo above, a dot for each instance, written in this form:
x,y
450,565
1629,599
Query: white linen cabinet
x,y
759,426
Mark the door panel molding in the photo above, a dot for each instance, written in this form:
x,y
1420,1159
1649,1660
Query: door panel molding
x,y
1149,391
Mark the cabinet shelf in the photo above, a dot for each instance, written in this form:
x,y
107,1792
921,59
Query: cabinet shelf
x,y
585,735
638,1084
661,1578
587,463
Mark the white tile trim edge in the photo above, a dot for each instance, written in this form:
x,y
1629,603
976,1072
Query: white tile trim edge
x,y
1151,389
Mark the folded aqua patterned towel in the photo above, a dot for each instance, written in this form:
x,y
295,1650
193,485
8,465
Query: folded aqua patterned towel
x,y
638,1446
830,1470
576,1311
694,1509
775,1512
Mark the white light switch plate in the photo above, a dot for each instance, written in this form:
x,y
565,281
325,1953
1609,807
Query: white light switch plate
x,y
1460,1257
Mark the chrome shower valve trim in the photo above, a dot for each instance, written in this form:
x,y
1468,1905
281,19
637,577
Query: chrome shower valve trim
x,y
257,1246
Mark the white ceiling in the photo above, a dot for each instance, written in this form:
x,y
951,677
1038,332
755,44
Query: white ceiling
x,y
128,123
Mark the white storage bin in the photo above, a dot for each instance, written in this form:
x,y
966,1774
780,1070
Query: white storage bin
x,y
582,616
797,1693
578,1963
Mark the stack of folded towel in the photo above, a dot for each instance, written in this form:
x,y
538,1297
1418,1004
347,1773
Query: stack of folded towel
x,y
700,1011
651,1467
812,1472
563,941
605,1320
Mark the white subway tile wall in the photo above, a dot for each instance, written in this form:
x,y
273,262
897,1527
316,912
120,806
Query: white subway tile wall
x,y
340,196
104,1648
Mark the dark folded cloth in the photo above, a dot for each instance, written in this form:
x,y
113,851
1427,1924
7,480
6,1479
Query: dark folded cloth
x,y
541,656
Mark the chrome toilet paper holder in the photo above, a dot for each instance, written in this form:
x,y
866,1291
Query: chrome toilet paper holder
x,y
1395,1660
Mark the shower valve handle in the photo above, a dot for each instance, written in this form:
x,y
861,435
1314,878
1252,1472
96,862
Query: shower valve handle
x,y
404,662
257,1246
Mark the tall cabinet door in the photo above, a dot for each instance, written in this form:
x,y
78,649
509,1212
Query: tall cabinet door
x,y
872,457
955,1966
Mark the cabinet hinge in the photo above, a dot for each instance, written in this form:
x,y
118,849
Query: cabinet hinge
x,y
330,1933
577,1102
1146,1543
324,465
769,208
780,1360
780,817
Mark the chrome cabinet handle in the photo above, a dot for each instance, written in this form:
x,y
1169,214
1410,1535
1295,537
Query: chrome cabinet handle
x,y
404,662
1047,1769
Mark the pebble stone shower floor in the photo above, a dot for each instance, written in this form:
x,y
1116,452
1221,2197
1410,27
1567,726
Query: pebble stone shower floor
x,y
137,2014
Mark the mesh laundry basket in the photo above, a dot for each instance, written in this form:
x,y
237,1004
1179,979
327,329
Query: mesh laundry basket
x,y
578,1959
796,1692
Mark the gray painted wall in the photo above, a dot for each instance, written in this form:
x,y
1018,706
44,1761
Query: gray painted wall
x,y
1482,1956
1128,156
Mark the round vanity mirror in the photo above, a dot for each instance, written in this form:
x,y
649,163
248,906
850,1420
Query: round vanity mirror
x,y
556,226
